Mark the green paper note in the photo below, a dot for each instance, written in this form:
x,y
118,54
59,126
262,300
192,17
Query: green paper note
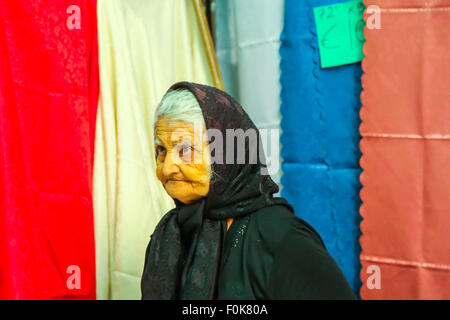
x,y
340,33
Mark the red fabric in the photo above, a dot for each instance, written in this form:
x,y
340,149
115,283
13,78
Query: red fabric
x,y
406,151
48,100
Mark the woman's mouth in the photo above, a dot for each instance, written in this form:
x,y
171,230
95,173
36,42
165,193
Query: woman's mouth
x,y
173,180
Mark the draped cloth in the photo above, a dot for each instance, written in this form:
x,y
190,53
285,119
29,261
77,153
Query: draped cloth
x,y
320,139
48,101
183,256
406,152
144,47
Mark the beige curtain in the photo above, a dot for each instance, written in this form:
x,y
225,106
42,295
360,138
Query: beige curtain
x,y
144,47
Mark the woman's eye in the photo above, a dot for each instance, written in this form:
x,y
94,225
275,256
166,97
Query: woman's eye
x,y
185,153
159,151
185,150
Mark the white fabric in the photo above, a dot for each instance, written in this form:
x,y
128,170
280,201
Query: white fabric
x,y
247,41
144,47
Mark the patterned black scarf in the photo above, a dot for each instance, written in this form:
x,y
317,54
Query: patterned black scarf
x,y
183,256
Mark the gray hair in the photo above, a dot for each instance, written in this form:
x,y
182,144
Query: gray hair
x,y
181,104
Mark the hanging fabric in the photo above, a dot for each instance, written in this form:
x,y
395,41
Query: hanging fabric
x,y
144,47
320,139
406,151
48,103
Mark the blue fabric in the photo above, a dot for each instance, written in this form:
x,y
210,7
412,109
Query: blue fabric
x,y
320,138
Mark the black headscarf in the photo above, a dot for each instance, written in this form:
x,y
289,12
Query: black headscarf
x,y
184,253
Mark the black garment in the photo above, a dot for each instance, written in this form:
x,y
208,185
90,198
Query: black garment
x,y
271,254
184,255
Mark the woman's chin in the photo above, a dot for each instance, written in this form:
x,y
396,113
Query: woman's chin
x,y
176,193
177,190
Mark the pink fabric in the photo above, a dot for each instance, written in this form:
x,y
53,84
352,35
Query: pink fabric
x,y
406,151
48,101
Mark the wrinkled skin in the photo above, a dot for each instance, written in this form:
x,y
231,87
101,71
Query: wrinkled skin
x,y
176,147
182,160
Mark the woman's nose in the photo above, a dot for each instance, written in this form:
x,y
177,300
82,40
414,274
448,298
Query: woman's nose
x,y
170,167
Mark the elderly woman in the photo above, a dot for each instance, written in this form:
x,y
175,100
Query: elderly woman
x,y
228,237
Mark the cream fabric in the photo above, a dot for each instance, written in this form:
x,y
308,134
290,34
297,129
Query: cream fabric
x,y
144,47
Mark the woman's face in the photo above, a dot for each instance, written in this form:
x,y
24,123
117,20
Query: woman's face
x,y
182,160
